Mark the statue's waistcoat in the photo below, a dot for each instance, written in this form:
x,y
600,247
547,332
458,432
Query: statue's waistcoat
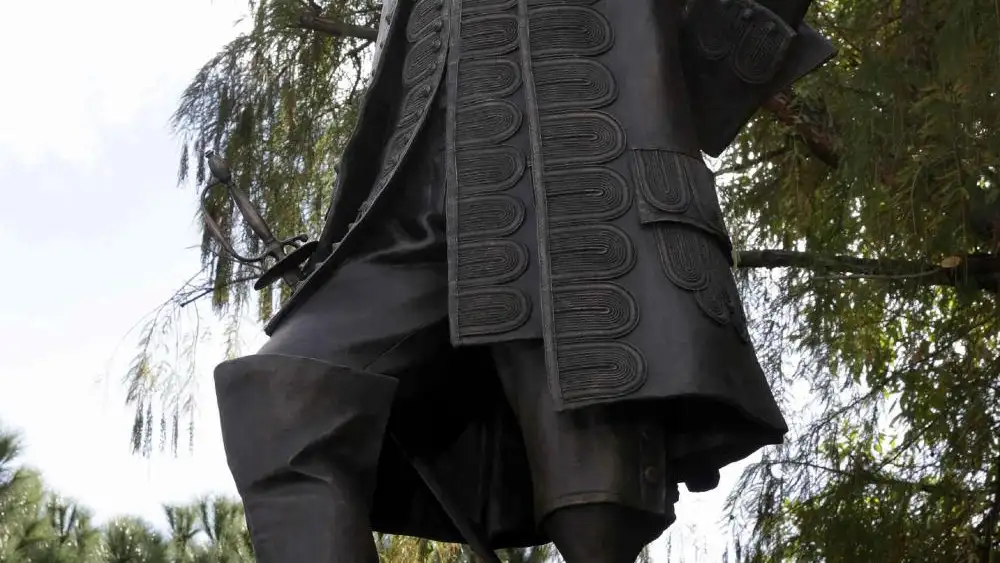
x,y
579,208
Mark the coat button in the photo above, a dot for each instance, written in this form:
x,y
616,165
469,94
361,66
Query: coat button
x,y
652,474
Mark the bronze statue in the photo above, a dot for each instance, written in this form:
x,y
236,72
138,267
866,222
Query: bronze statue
x,y
519,324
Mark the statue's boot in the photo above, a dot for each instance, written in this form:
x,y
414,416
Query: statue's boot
x,y
303,438
601,532
602,488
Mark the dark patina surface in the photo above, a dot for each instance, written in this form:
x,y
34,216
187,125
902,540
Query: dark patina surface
x,y
519,324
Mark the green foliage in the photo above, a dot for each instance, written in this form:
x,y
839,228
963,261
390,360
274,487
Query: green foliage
x,y
278,102
131,540
895,454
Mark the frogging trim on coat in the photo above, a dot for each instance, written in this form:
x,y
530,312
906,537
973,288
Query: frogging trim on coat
x,y
583,322
488,299
451,168
537,167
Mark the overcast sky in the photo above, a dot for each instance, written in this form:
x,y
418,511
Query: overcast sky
x,y
95,234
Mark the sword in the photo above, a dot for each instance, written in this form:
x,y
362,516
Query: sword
x,y
286,267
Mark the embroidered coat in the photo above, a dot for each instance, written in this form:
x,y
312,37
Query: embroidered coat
x,y
579,208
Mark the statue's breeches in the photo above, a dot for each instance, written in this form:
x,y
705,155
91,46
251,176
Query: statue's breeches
x,y
481,414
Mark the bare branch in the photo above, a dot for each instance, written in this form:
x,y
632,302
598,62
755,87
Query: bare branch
x,y
876,478
979,271
336,28
185,298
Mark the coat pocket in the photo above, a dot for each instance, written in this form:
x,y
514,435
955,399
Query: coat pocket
x,y
677,203
673,187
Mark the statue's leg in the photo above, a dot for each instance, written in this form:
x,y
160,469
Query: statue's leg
x,y
303,420
601,485
601,532
303,438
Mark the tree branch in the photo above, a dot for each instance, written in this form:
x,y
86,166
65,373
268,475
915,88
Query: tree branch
x,y
819,141
876,478
184,298
978,271
336,28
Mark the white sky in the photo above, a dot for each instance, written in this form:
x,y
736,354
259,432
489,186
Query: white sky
x,y
95,235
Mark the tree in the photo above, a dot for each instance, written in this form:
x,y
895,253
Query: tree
x,y
222,521
865,202
71,535
895,455
132,540
183,522
20,496
37,526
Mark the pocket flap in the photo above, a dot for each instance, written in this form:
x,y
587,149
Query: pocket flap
x,y
673,187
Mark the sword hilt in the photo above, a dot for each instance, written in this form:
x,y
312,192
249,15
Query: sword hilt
x,y
287,265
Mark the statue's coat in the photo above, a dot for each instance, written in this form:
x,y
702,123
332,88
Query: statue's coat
x,y
580,212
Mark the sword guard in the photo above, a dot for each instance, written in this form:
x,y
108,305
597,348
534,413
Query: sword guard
x,y
288,264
